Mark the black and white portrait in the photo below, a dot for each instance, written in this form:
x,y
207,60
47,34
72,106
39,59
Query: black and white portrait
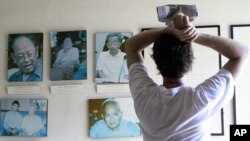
x,y
111,63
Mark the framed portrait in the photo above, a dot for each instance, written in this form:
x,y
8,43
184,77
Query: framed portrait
x,y
241,32
113,117
68,60
111,63
24,117
206,64
25,57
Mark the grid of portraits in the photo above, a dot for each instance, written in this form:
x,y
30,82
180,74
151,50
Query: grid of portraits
x,y
107,117
68,56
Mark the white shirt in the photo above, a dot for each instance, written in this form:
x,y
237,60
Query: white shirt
x,y
67,59
32,124
114,68
12,120
178,114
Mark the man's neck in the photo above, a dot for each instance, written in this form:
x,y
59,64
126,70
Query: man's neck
x,y
173,82
113,52
65,50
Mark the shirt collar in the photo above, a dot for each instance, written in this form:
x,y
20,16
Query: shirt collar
x,y
36,72
119,51
171,91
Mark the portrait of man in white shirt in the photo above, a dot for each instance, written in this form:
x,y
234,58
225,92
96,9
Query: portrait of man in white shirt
x,y
111,66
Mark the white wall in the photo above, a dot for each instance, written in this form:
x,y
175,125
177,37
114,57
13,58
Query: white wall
x,y
67,115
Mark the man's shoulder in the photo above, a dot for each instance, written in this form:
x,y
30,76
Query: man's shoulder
x,y
129,123
104,54
74,49
8,113
138,65
38,69
60,51
98,124
130,127
16,76
122,54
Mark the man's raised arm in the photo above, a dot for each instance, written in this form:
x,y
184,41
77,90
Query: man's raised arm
x,y
236,52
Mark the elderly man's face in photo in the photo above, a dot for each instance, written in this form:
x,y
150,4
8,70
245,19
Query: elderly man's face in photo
x,y
112,116
24,54
113,43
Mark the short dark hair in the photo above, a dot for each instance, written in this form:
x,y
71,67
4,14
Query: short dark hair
x,y
173,57
16,102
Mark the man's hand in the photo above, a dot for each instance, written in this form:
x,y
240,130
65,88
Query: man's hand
x,y
183,29
181,21
188,34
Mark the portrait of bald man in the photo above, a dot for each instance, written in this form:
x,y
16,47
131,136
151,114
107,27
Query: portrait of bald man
x,y
25,57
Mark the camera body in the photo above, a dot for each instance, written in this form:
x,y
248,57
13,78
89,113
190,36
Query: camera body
x,y
165,12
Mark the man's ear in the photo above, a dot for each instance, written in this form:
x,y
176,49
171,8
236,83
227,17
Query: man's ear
x,y
13,57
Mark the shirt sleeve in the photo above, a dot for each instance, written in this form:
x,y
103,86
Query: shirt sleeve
x,y
217,90
139,79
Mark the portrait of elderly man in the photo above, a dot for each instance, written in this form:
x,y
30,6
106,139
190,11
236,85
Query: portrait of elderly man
x,y
25,60
111,65
114,118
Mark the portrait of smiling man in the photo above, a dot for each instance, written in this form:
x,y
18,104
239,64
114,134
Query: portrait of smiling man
x,y
26,63
114,120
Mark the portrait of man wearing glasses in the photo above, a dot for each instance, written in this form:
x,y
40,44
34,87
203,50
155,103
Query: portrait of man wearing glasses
x,y
111,66
25,62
